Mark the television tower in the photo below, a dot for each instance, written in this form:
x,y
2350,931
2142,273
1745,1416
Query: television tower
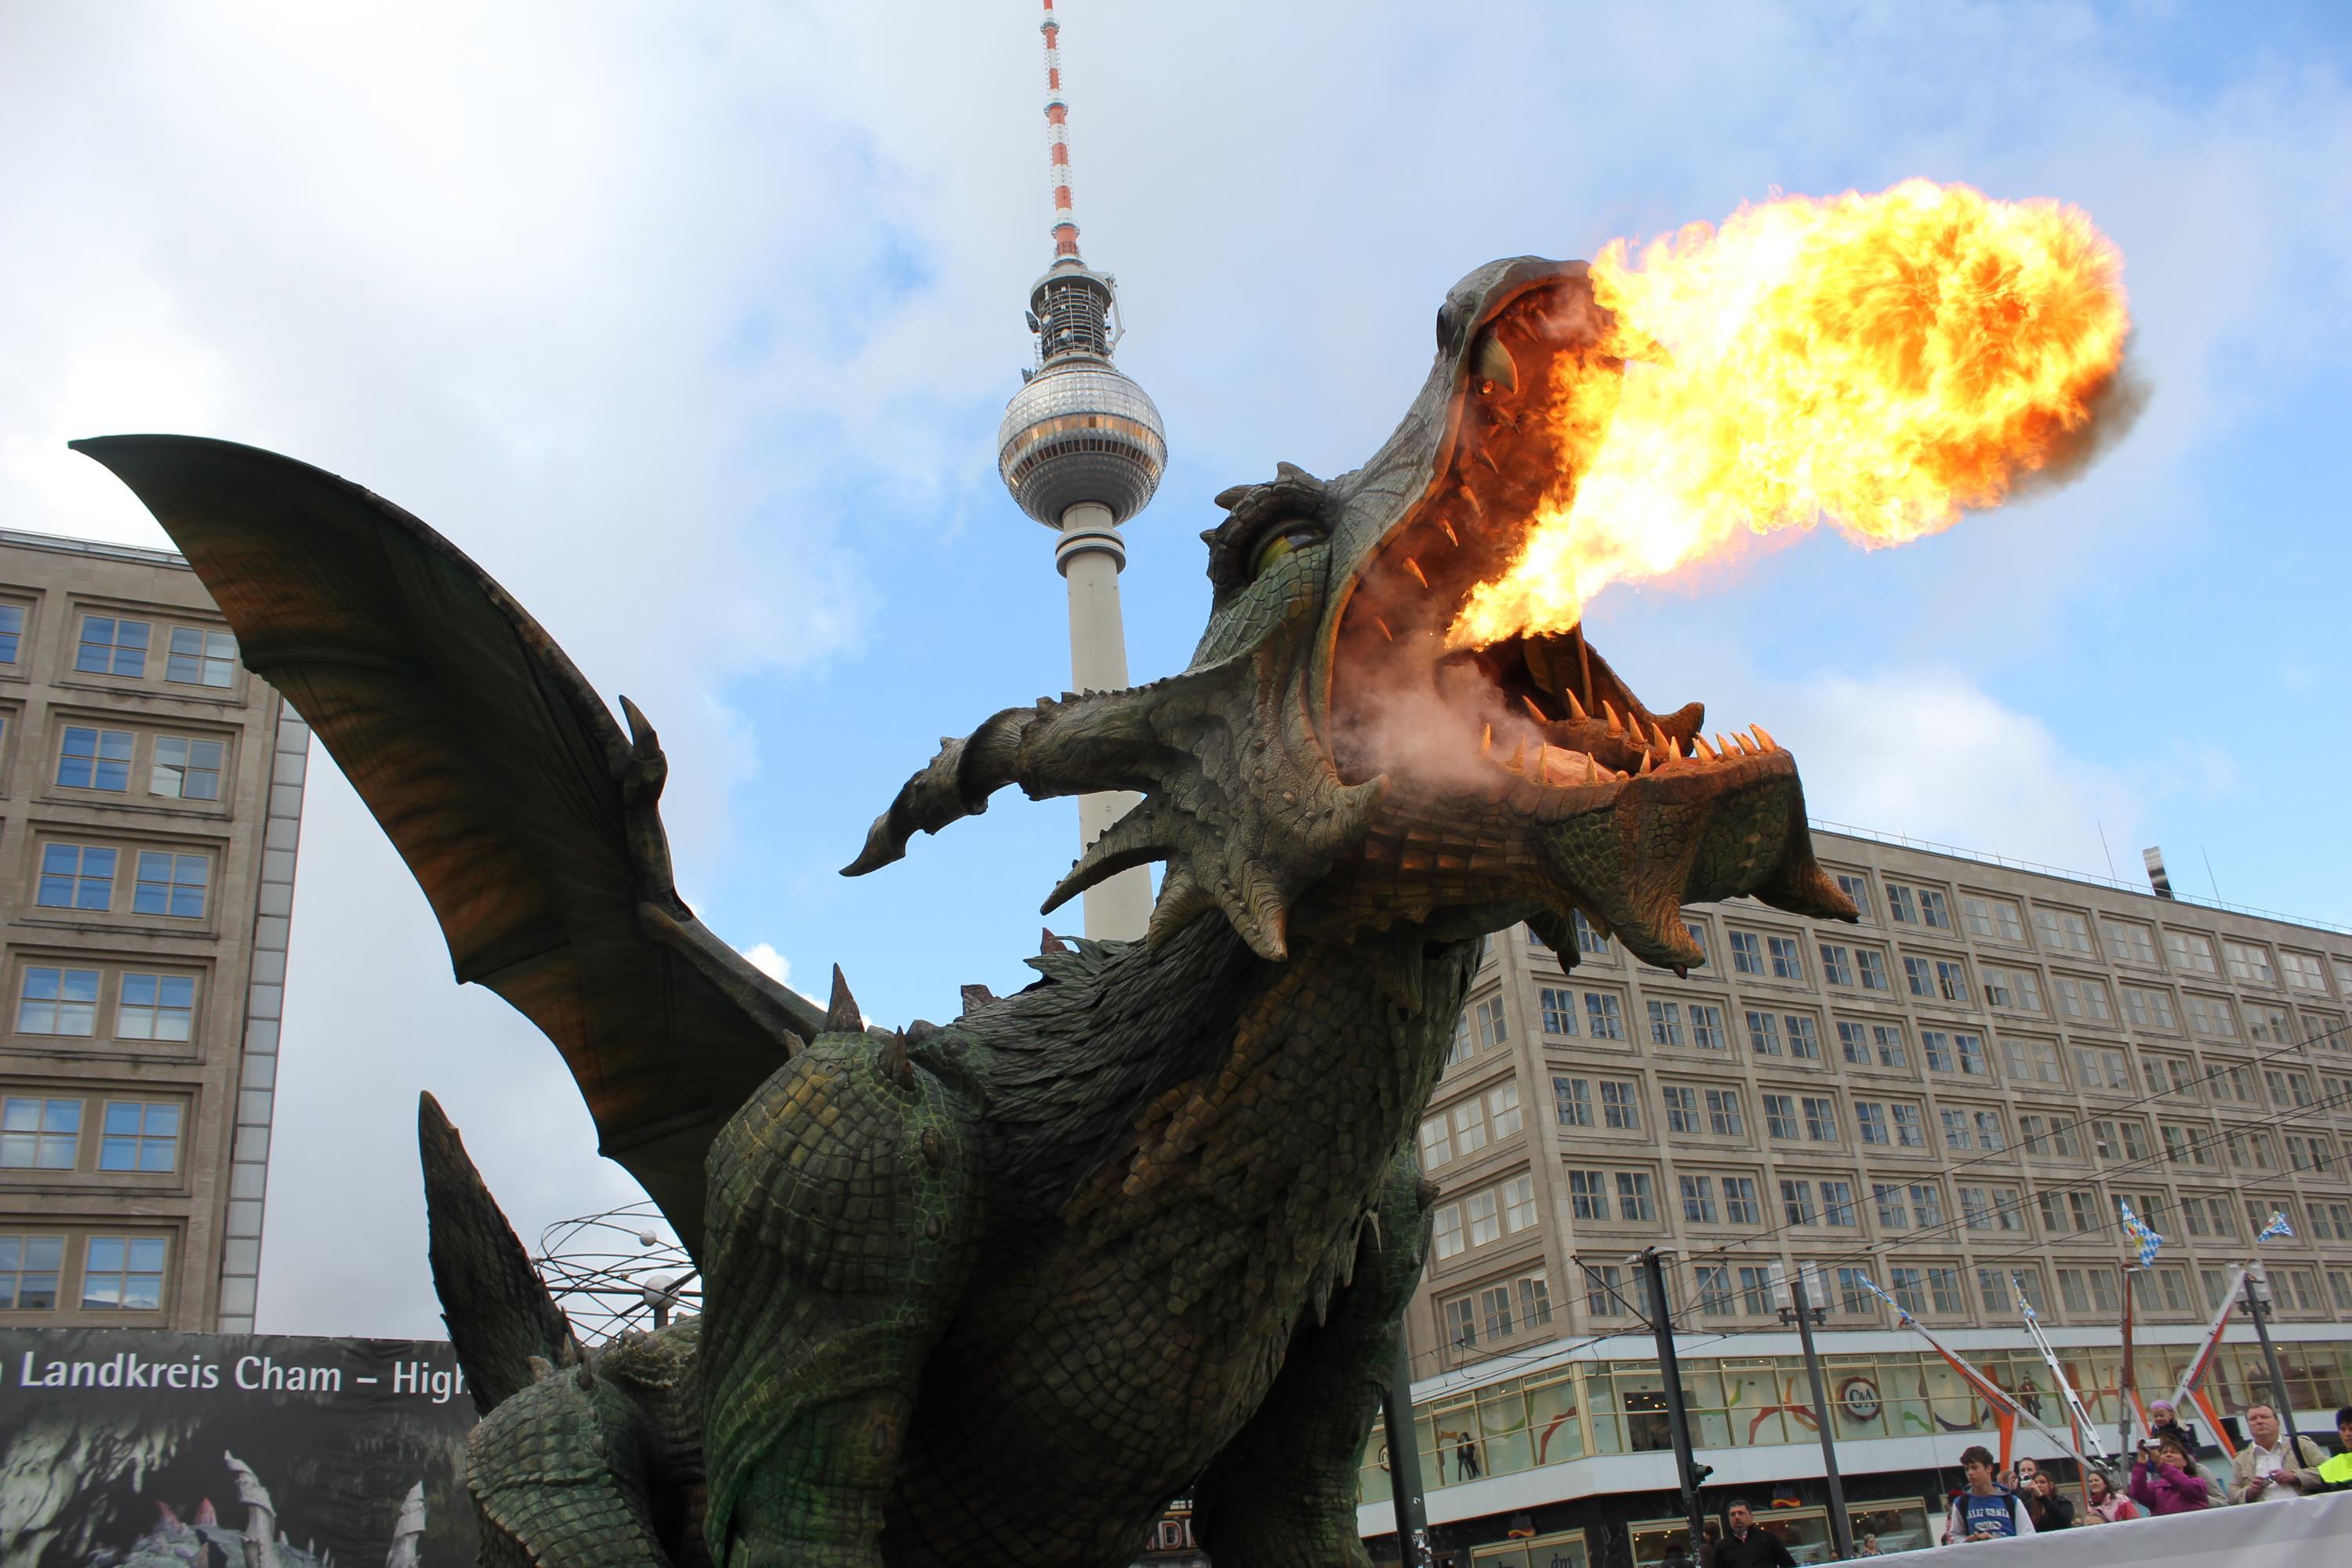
x,y
1082,448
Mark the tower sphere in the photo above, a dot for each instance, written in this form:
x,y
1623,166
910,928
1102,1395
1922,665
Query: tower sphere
x,y
1079,430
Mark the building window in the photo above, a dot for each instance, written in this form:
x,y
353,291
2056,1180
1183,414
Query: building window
x,y
1905,1287
1503,1108
1492,1029
1698,939
2249,964
1588,940
1747,952
176,885
1780,1116
1604,1289
1870,1122
2033,1061
1797,1203
1740,1203
1788,958
2063,931
1956,1129
1518,1202
94,759
1763,1035
1988,1134
1604,1016
12,631
1887,1040
1665,1024
1894,1214
2303,971
1707,1028
1486,1221
76,877
1755,1291
58,1001
185,769
123,1274
1910,1128
1447,1232
1870,967
1469,1128
1853,1043
2191,954
1715,1298
156,1007
2085,999
1927,1203
1858,889
1620,1105
1723,1112
1821,1119
1804,1040
40,1135
1901,905
140,1135
1535,1301
1572,1101
112,647
200,657
29,1267
1699,1200
1462,1324
1992,919
2212,1015
1436,1143
1588,1195
1932,911
1837,964
2099,1067
2149,1009
1634,1200
1559,1011
1682,1109
2130,943
1458,1050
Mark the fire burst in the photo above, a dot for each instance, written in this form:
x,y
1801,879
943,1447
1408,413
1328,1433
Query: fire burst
x,y
1882,363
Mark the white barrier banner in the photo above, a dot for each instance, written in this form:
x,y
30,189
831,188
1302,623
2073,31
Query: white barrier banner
x,y
2306,1532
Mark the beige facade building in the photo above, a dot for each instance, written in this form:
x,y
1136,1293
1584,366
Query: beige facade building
x,y
1949,1098
151,799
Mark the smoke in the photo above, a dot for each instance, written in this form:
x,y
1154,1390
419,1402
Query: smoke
x,y
1425,723
2114,408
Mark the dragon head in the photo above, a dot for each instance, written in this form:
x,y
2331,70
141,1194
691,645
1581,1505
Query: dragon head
x,y
1327,766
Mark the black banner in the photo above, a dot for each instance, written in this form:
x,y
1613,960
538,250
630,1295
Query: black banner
x,y
127,1448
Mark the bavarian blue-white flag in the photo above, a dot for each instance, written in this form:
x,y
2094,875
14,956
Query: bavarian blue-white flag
x,y
1867,1283
2277,1226
2142,1235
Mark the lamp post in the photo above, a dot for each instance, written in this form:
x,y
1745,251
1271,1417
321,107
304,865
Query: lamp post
x,y
1688,1473
1789,1293
1404,1459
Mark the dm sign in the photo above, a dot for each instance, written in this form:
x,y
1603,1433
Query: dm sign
x,y
141,1449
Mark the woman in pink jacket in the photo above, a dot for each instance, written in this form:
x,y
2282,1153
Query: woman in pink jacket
x,y
2165,1482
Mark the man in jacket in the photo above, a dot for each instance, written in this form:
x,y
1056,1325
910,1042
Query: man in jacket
x,y
1745,1546
1986,1510
2273,1466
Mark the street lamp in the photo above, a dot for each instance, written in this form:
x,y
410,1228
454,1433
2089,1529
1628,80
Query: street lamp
x,y
1688,1472
1788,1295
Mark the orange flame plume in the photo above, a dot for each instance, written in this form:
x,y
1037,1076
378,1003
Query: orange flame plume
x,y
1882,363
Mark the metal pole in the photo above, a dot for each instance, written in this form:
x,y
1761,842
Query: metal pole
x,y
2129,1381
1662,1327
1404,1461
2259,1308
1841,1527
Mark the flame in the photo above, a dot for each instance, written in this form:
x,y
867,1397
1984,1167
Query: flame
x,y
1882,363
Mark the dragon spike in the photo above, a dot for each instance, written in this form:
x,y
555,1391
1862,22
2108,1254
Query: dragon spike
x,y
1616,726
1051,943
1259,912
1141,836
840,1013
1575,709
1181,900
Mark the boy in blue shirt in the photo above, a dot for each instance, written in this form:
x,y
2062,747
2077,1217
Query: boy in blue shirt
x,y
1986,1510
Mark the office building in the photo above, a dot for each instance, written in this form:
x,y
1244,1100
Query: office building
x,y
1949,1098
150,800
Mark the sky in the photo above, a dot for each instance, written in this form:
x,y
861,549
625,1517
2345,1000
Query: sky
x,y
693,323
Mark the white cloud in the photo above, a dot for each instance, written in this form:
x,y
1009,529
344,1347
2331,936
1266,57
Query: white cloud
x,y
770,962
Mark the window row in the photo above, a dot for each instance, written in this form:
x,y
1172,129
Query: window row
x,y
58,1133
1483,1218
175,767
120,646
91,877
59,999
117,1273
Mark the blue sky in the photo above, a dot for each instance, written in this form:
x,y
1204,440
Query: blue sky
x,y
694,326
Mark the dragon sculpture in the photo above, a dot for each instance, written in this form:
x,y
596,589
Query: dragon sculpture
x,y
994,1291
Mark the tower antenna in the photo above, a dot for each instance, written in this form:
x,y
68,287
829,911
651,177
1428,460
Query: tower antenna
x,y
1082,448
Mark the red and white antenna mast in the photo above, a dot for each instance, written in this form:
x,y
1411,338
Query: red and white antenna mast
x,y
1058,138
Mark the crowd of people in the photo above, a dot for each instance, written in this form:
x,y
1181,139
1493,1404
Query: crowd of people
x,y
2166,1477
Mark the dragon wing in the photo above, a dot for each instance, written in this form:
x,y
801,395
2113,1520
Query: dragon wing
x,y
523,811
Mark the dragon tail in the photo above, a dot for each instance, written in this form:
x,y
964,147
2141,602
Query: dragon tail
x,y
499,1313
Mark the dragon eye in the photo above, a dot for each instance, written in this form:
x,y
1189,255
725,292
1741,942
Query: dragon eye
x,y
1282,541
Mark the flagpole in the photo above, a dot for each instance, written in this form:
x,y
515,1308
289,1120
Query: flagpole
x,y
2127,1385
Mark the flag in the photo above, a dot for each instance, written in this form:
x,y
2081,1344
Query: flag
x,y
1871,1285
2141,1235
2277,1226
